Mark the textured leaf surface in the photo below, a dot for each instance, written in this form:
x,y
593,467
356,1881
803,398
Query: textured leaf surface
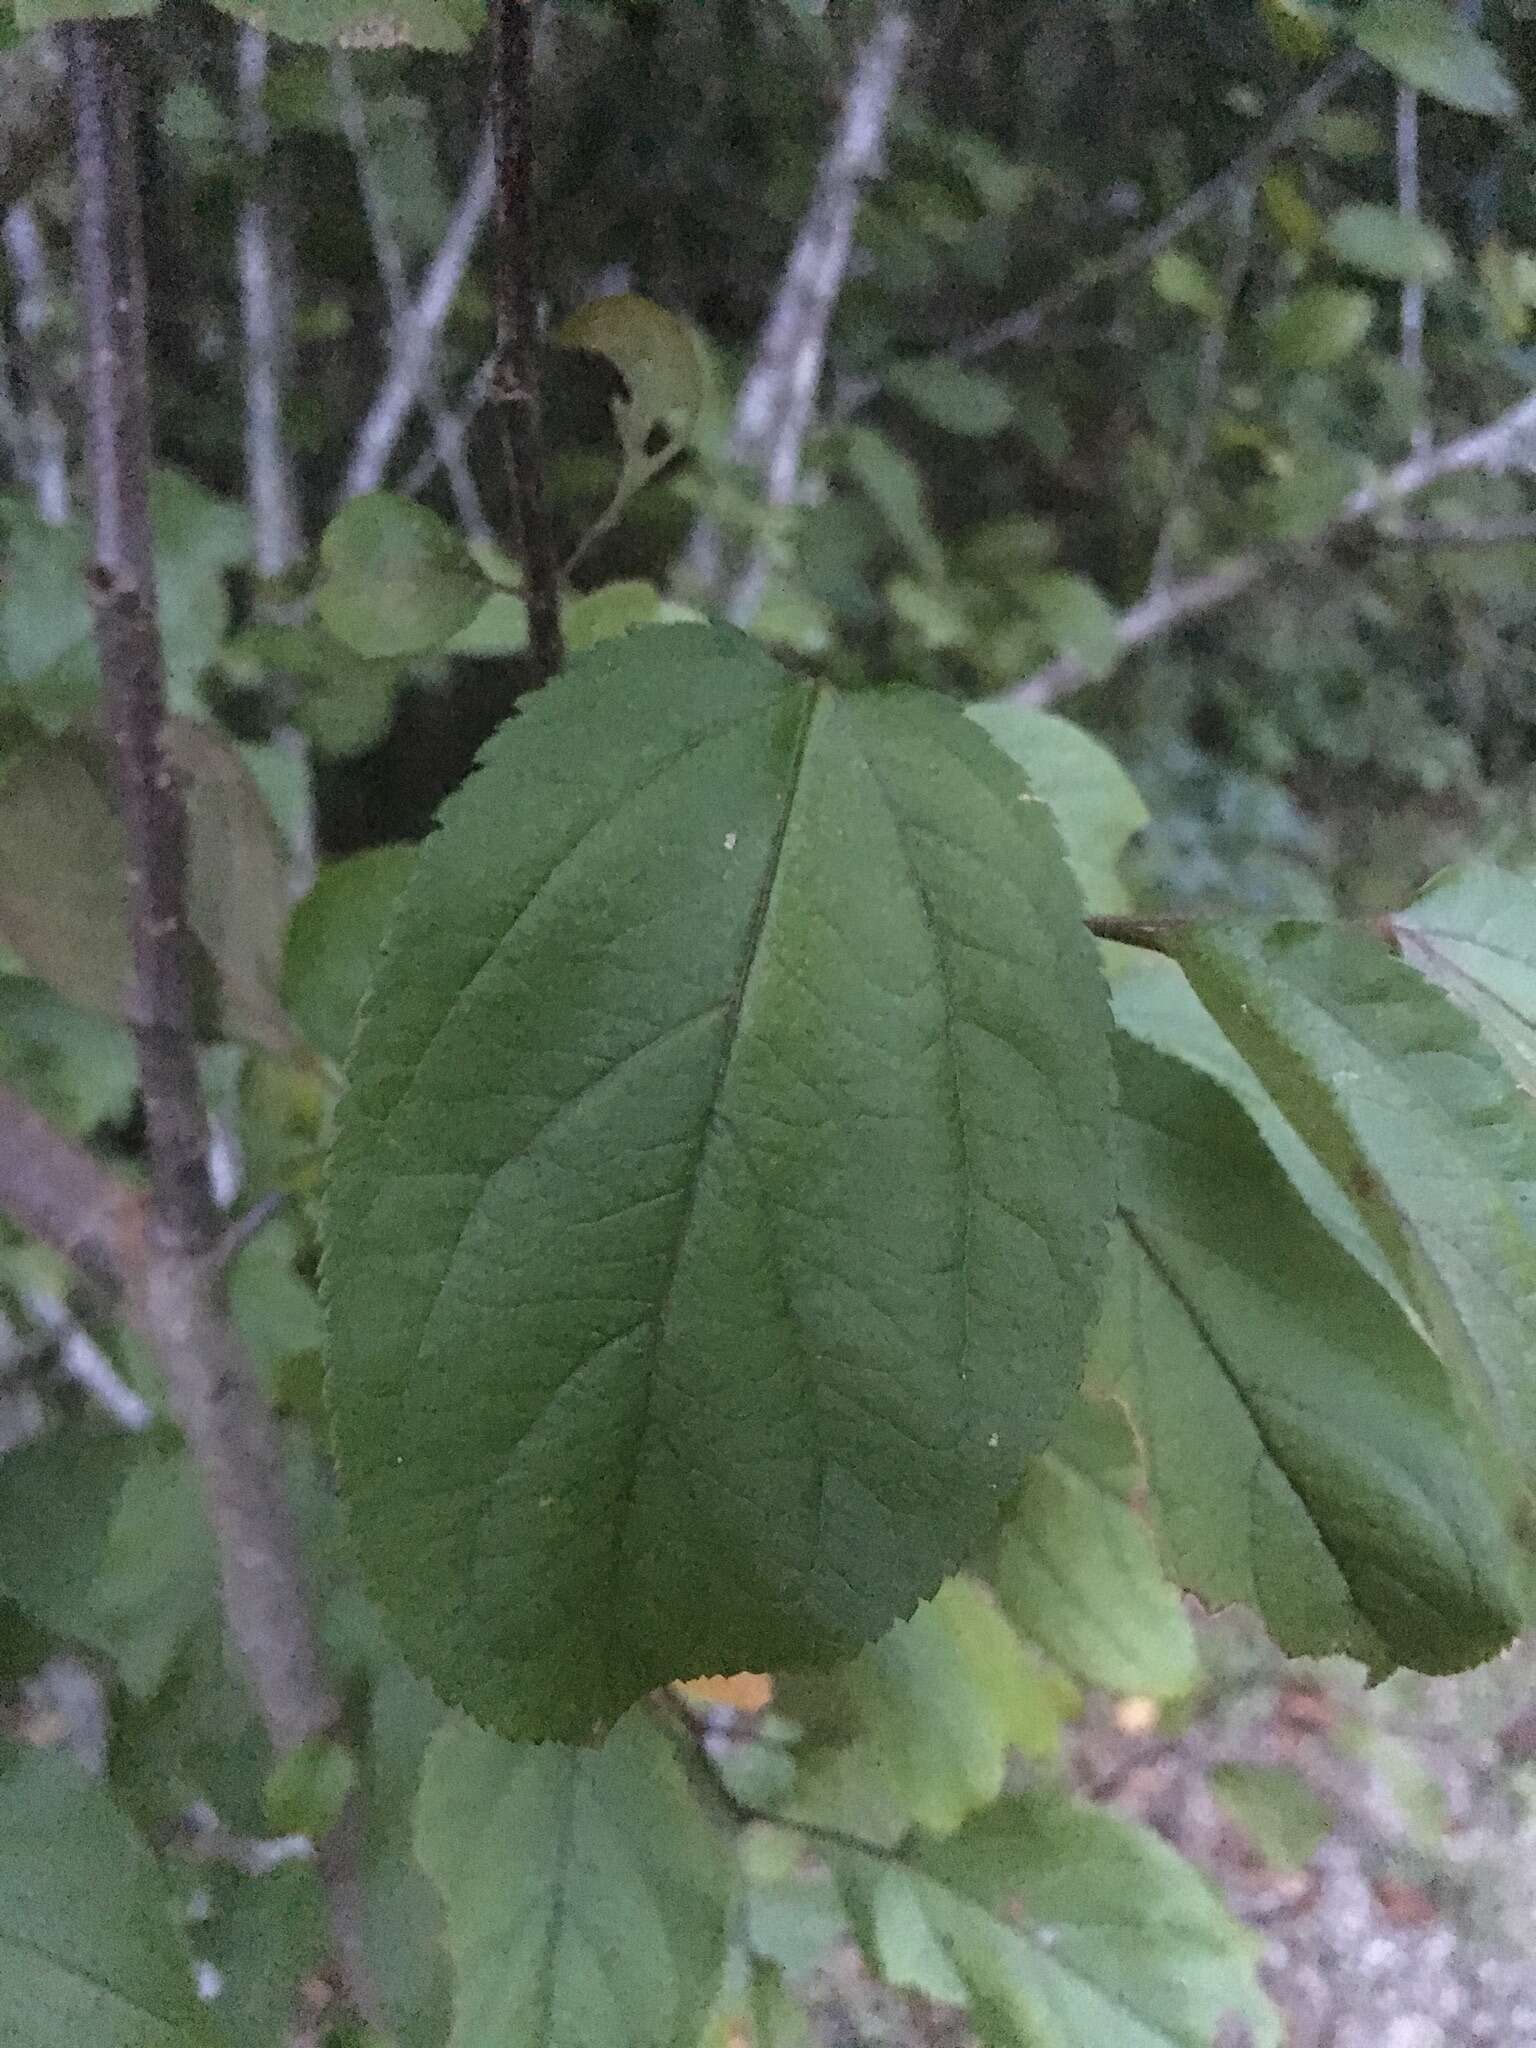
x,y
1303,1447
88,1949
1077,1572
1060,1927
1414,1116
716,1214
586,1894
1473,933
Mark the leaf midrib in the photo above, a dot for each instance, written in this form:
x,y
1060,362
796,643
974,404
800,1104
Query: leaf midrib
x,y
730,1037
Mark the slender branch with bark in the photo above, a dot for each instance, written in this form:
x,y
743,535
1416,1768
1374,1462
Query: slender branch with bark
x,y
777,399
174,1290
413,339
1509,442
515,373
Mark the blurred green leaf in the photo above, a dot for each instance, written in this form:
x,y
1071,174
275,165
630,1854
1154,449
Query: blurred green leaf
x,y
1077,1573
397,580
307,1789
1434,47
1386,243
969,402
586,1895
1319,327
334,939
1011,1917
88,1949
936,1705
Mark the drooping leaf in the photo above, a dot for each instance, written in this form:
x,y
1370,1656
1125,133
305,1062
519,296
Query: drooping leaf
x,y
334,939
1304,1451
62,884
1393,1090
1097,808
659,361
397,580
88,1948
1473,933
77,1068
936,1706
1059,1927
1386,243
586,1893
725,1130
1437,49
1078,1574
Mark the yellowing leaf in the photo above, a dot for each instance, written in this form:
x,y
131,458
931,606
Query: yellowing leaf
x,y
658,359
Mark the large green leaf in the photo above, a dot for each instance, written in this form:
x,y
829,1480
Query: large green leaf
x,y
1415,1118
935,1707
1077,1571
1437,49
586,1894
1303,1447
1060,1927
88,1949
716,1216
1473,933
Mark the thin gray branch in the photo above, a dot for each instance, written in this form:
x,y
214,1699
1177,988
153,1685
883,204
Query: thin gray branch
x,y
1507,443
413,340
265,265
1411,316
452,430
776,402
279,534
46,440
446,443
